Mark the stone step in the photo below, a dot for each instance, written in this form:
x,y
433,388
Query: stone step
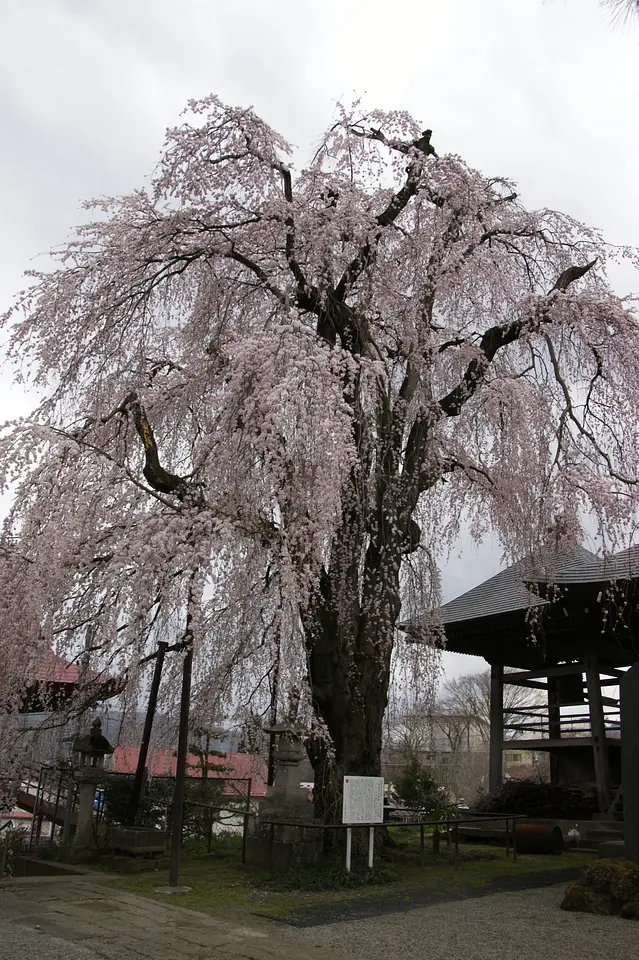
x,y
601,835
612,850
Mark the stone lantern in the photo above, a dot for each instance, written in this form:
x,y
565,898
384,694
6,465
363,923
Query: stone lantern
x,y
89,752
289,753
279,845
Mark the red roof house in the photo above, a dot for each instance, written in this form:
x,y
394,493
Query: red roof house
x,y
53,680
162,762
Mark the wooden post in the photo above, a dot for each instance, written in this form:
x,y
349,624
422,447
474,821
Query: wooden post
x,y
598,727
554,724
495,763
146,735
180,770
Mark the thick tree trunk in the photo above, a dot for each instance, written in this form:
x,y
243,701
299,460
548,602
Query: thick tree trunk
x,y
350,626
350,645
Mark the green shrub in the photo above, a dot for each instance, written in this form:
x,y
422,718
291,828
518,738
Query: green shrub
x,y
12,840
606,887
418,789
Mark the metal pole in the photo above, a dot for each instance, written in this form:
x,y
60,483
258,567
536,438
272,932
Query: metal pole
x,y
349,842
180,770
371,846
146,735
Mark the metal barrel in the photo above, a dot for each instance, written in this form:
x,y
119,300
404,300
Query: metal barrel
x,y
539,838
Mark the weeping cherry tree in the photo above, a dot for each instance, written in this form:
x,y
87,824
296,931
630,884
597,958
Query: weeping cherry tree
x,y
268,396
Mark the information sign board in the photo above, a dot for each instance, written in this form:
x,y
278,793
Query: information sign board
x,y
363,800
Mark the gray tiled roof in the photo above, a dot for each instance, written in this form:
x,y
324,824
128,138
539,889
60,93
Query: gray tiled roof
x,y
503,593
620,566
507,592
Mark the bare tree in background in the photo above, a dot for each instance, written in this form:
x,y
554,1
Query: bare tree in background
x,y
410,735
452,738
469,697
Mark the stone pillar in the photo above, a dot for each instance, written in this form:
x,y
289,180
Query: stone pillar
x,y
630,760
84,830
598,727
495,760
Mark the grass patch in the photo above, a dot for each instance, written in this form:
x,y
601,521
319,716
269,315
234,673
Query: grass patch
x,y
222,884
329,877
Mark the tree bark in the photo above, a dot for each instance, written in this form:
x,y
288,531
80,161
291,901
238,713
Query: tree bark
x,y
349,640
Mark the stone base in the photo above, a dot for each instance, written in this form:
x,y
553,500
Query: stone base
x,y
171,891
282,847
139,841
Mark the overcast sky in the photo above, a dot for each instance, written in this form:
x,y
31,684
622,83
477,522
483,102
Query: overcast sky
x,y
546,93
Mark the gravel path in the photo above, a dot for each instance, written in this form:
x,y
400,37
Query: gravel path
x,y
526,925
18,942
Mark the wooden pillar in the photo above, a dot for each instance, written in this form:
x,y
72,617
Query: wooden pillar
x,y
598,728
554,725
630,760
495,762
180,770
138,781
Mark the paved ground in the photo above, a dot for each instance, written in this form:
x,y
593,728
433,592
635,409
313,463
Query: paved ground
x,y
82,918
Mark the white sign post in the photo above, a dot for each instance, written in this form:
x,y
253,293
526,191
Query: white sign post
x,y
363,803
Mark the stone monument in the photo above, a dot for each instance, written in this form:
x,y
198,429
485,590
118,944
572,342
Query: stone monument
x,y
89,752
280,845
